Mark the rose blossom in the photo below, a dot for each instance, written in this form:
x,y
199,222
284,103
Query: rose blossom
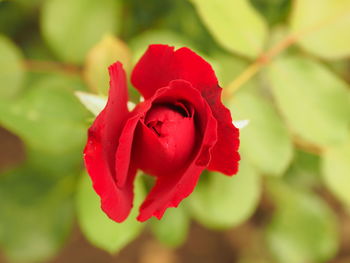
x,y
180,129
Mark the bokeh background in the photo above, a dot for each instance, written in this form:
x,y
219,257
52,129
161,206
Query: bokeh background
x,y
284,65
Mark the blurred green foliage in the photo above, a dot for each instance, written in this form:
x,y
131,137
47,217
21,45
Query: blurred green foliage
x,y
98,228
295,151
12,72
303,228
219,202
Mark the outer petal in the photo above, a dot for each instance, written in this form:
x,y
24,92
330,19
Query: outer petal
x,y
161,64
99,153
225,156
173,187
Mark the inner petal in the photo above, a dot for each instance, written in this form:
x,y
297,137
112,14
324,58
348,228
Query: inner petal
x,y
166,138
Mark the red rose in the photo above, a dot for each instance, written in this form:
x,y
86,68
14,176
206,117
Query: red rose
x,y
179,130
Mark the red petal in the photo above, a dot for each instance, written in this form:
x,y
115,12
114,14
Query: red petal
x,y
225,156
115,202
123,154
100,150
174,186
161,64
169,192
170,147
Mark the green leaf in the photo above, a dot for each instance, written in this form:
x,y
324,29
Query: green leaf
x,y
97,227
330,35
236,25
141,16
303,229
36,214
100,57
11,69
221,201
172,228
315,102
228,67
275,11
47,116
304,171
336,170
35,48
12,17
265,133
71,28
184,20
29,6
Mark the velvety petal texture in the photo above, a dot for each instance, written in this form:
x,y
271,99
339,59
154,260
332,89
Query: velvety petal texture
x,y
179,130
175,183
162,64
225,156
101,147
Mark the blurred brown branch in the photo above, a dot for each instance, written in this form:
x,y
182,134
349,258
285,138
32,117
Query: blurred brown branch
x,y
306,146
275,50
51,66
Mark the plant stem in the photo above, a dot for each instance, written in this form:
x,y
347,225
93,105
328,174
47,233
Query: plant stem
x,y
275,50
307,146
51,66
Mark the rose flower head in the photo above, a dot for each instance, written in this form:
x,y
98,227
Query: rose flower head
x,y
180,129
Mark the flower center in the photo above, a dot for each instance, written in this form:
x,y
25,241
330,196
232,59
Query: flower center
x,y
166,139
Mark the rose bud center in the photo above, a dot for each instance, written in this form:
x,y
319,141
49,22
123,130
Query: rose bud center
x,y
165,138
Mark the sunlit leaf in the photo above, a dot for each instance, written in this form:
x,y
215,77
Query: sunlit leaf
x,y
97,227
314,101
11,69
303,228
172,228
108,51
236,25
336,171
266,141
221,201
328,33
71,28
